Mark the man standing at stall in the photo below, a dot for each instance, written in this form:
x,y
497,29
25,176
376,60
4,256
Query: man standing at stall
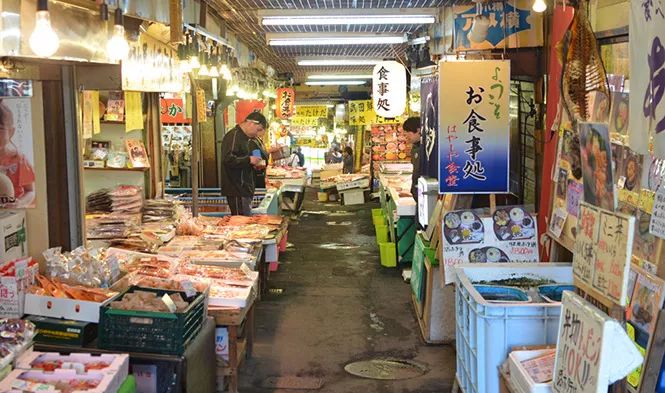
x,y
412,130
239,163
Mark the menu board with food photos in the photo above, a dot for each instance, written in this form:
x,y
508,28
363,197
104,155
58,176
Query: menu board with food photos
x,y
509,235
389,143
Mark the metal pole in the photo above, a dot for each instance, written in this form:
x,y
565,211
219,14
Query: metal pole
x,y
195,148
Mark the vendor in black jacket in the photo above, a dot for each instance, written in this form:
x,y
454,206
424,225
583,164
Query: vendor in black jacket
x,y
412,130
238,163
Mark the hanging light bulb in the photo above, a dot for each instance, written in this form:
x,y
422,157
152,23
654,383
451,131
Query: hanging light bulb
x,y
539,6
213,72
44,41
117,48
194,61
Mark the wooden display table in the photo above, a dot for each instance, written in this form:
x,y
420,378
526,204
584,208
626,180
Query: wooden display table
x,y
240,325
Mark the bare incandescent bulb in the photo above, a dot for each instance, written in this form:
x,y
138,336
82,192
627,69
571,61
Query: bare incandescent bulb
x,y
43,41
539,6
117,48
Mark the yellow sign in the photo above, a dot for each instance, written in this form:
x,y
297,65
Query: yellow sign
x,y
362,113
96,126
305,121
311,111
133,111
201,105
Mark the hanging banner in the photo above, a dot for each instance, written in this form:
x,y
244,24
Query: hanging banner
x,y
361,113
172,111
474,131
305,121
515,26
389,89
647,76
286,102
245,107
429,126
312,111
17,176
133,111
151,66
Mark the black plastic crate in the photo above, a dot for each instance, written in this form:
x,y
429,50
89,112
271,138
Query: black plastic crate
x,y
151,332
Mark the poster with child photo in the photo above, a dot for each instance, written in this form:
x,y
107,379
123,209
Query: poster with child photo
x,y
17,176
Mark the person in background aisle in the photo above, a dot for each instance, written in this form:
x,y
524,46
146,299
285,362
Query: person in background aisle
x,y
412,130
239,164
257,144
337,156
301,157
348,160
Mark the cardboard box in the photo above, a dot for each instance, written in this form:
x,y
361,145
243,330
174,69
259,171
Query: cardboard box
x,y
146,377
16,380
63,332
13,289
77,310
118,364
13,238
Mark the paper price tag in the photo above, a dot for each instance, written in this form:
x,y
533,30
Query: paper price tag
x,y
188,287
169,303
245,269
114,266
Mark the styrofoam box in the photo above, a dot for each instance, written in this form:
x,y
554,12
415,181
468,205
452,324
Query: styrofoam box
x,y
118,367
360,183
519,376
486,332
14,381
353,197
77,310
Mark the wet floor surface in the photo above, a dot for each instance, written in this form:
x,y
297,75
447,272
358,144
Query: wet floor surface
x,y
332,303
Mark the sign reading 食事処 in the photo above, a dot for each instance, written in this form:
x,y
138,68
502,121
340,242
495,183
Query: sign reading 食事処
x,y
361,113
286,102
474,128
647,79
389,89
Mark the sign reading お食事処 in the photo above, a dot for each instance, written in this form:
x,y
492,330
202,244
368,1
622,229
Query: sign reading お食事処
x,y
593,350
603,249
647,81
389,89
474,129
286,102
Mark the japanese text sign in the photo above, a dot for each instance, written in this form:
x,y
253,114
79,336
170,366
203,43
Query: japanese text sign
x,y
647,84
389,89
286,101
305,121
474,130
593,350
312,111
603,251
361,113
153,66
657,223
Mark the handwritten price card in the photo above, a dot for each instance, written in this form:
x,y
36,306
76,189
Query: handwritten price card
x,y
592,352
657,224
603,251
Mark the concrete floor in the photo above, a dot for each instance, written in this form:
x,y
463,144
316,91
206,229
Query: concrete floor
x,y
339,305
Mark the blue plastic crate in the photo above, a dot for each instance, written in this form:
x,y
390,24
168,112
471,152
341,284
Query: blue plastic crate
x,y
486,332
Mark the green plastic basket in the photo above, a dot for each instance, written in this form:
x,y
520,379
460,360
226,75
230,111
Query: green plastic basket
x,y
377,212
388,254
151,332
381,233
129,386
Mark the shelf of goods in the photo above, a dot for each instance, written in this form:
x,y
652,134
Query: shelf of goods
x,y
487,331
400,213
212,203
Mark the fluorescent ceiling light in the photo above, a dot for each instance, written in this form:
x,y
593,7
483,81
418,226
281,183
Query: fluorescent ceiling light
x,y
308,20
337,62
339,76
308,39
335,83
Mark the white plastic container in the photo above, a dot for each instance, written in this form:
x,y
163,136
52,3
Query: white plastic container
x,y
520,377
487,332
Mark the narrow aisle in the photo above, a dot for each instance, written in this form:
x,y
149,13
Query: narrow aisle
x,y
338,305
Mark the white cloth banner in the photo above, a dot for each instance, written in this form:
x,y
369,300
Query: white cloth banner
x,y
647,74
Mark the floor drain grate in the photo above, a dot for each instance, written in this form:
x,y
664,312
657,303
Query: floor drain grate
x,y
275,291
386,369
296,383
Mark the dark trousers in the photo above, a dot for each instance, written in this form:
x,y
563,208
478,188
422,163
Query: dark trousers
x,y
240,206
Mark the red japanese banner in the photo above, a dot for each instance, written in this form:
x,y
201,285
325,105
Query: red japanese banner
x,y
172,110
286,102
245,107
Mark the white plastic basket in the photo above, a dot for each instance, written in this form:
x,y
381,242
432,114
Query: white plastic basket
x,y
487,332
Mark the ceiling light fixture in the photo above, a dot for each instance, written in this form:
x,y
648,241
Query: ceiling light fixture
x,y
44,41
337,62
335,83
308,20
339,76
308,39
117,48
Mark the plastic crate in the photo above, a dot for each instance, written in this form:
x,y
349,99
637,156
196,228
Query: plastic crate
x,y
151,332
487,332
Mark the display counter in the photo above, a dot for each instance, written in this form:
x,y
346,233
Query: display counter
x,y
400,211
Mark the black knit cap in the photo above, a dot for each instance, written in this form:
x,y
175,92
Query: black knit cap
x,y
258,118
